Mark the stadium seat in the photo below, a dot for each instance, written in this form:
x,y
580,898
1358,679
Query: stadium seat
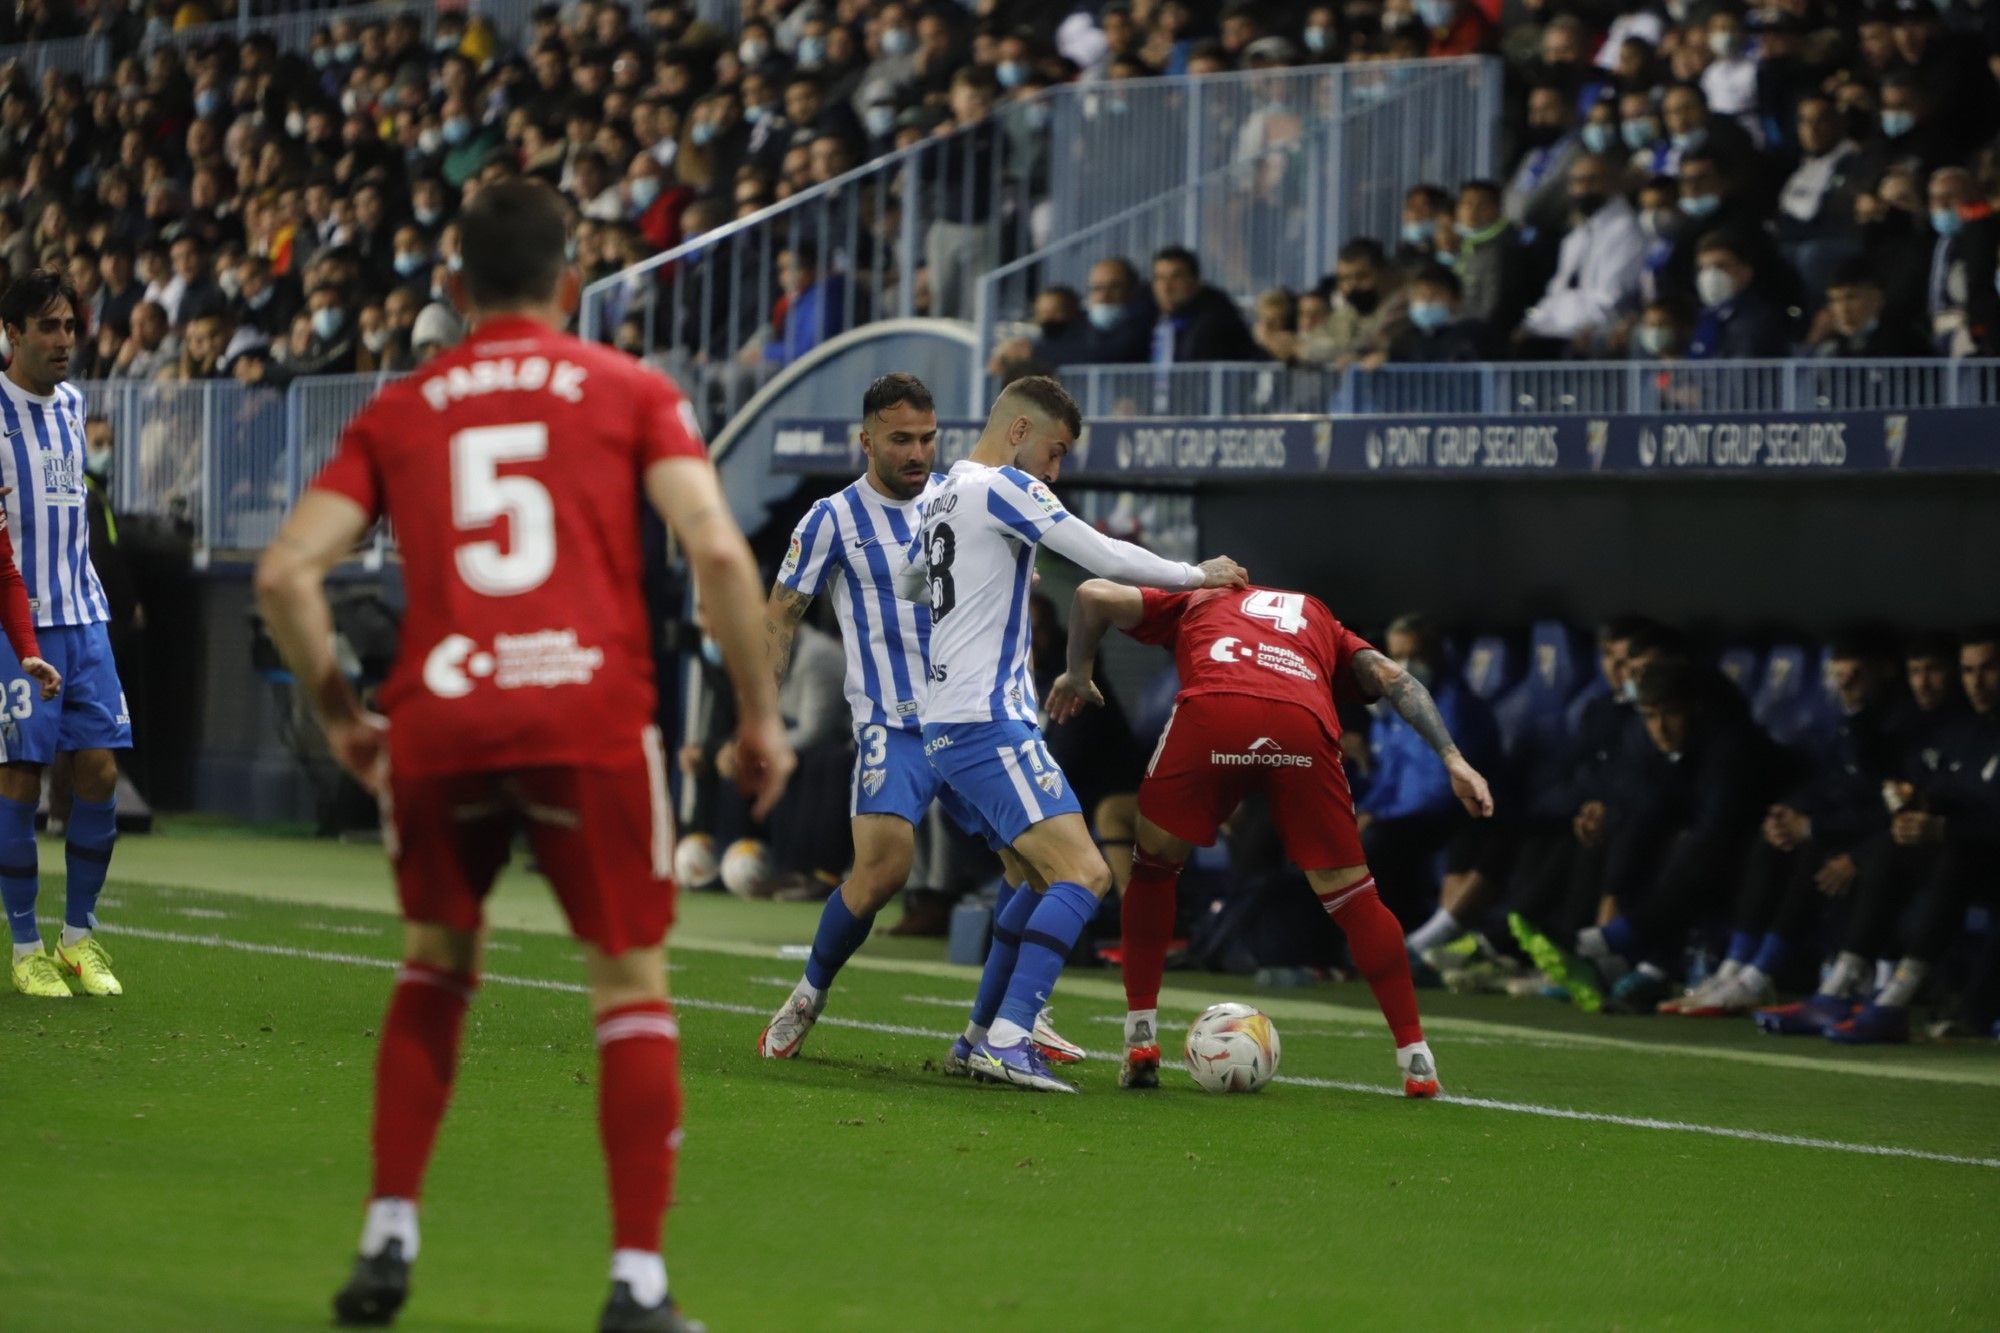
x,y
1539,705
1790,702
1156,704
1491,666
1740,665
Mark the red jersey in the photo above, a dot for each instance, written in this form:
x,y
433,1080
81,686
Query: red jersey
x,y
1263,642
511,470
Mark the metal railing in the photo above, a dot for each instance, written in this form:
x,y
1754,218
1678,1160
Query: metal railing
x,y
87,57
1558,388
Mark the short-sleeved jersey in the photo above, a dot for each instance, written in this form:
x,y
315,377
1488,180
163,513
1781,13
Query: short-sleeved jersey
x,y
856,541
42,459
980,528
511,469
1264,642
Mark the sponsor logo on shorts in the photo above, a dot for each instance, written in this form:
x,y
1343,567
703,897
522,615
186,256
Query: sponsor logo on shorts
x,y
872,779
935,744
906,708
1260,753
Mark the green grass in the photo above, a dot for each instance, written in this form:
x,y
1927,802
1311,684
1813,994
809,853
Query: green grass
x,y
195,1152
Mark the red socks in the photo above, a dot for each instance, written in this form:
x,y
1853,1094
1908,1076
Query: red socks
x,y
1145,925
413,1073
1375,938
639,1116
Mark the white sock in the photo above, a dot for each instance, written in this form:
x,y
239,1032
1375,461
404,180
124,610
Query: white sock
x,y
1885,971
814,995
1440,930
644,1272
1904,983
1590,943
390,1219
974,1033
1150,1017
71,936
1749,978
1653,970
1404,1054
1006,1033
1846,973
23,950
1728,968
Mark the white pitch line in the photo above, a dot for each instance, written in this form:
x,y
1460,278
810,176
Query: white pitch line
x,y
1340,1085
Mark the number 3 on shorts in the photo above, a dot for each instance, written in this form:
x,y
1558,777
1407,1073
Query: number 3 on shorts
x,y
1286,610
20,701
874,745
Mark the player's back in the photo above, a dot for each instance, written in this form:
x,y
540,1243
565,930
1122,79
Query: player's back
x,y
980,527
511,469
1270,643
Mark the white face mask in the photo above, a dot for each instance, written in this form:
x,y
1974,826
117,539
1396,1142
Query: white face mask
x,y
1714,287
375,339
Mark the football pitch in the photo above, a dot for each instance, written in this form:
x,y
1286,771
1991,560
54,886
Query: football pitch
x,y
193,1155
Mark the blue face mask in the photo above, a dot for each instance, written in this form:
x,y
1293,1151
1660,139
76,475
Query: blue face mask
x,y
1417,233
457,130
644,190
878,118
1946,221
1436,13
427,217
897,42
1700,205
260,300
1638,134
344,52
1652,339
711,651
703,134
408,265
1318,39
1896,124
1104,316
1691,140
1598,137
1430,316
207,102
327,321
1011,73
812,50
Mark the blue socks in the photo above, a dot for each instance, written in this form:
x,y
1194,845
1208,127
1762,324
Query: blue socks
x,y
1045,942
19,873
1618,933
840,933
1771,954
93,828
1010,917
1742,946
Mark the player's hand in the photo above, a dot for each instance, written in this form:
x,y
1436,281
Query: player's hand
x,y
1835,877
1913,828
361,745
1222,572
764,764
1069,694
693,760
1589,823
37,669
725,761
1469,786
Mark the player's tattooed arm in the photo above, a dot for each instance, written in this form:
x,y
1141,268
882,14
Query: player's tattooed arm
x,y
1098,606
1381,677
782,613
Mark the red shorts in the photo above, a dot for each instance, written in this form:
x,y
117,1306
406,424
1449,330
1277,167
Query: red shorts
x,y
603,836
1218,748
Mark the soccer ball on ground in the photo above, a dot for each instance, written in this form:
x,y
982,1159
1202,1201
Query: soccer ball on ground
x,y
1231,1048
696,865
746,869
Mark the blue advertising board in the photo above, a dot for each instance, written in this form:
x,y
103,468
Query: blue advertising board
x,y
1651,445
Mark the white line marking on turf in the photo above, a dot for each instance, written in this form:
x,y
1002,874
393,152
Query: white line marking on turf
x,y
328,928
203,913
1340,1085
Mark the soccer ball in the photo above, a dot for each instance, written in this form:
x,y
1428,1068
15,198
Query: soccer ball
x,y
1231,1048
746,868
695,863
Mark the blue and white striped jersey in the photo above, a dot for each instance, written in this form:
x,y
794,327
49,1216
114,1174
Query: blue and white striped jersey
x,y
42,459
980,530
858,539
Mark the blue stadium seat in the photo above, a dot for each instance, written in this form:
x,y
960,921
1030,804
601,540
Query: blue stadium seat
x,y
1740,665
1791,700
1490,666
1156,704
1539,705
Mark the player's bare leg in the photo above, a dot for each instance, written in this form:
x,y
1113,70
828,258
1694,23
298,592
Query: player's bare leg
x,y
884,846
1146,924
1031,942
414,1069
1376,940
639,1120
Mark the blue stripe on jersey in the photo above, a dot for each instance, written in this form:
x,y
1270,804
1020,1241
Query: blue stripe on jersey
x,y
76,552
1007,667
919,611
885,599
24,540
857,601
60,535
814,521
90,589
1013,518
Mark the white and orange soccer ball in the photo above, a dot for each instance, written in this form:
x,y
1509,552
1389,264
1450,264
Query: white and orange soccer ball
x,y
696,866
746,868
1231,1048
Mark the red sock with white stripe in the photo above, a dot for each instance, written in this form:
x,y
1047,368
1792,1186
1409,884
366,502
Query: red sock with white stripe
x,y
1145,926
1376,940
639,1120
414,1069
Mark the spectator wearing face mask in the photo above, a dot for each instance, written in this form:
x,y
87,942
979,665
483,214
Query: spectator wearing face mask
x,y
1739,319
1730,81
1063,337
1964,309
1537,198
1916,133
1597,270
1713,199
1662,332
1496,273
890,42
332,348
1852,324
1692,127
1455,28
1435,331
1643,136
263,300
1120,311
1662,223
1427,214
1366,301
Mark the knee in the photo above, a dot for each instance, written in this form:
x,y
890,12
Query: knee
x,y
871,885
96,775
1094,875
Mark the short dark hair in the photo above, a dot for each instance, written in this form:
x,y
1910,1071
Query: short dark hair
x,y
1179,254
1855,272
1988,635
1937,643
512,240
1049,398
1437,275
1365,249
1621,629
896,387
1491,189
33,292
1724,241
1667,683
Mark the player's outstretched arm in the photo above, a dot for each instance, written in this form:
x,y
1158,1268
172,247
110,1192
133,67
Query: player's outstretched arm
x,y
1380,677
687,494
322,529
1107,557
1098,606
782,614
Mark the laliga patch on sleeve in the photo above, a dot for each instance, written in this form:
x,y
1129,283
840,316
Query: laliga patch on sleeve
x,y
792,554
690,423
1044,497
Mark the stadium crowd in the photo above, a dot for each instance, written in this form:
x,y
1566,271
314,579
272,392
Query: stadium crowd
x,y
1684,181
